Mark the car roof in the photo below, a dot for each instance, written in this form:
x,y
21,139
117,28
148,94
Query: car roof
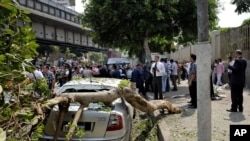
x,y
90,83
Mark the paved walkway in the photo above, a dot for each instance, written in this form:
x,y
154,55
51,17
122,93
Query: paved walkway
x,y
183,127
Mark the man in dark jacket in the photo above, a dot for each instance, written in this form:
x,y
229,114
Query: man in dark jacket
x,y
115,73
237,82
137,77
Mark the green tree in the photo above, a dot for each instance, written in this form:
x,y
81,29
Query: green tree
x,y
46,50
97,57
242,6
17,48
17,44
69,54
246,21
142,26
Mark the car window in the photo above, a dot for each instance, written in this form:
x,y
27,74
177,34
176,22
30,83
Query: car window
x,y
71,90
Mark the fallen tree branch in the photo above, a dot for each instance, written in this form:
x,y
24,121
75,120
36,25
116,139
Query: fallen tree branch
x,y
129,93
74,123
54,101
63,108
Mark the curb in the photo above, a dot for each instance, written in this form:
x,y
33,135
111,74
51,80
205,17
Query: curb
x,y
163,132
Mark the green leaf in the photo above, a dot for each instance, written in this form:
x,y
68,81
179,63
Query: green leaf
x,y
26,12
26,19
34,121
5,4
2,135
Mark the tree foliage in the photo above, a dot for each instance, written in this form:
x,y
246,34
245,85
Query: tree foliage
x,y
97,57
242,6
246,21
125,24
17,44
46,50
17,48
69,54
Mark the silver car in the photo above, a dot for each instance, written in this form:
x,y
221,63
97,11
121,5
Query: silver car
x,y
100,122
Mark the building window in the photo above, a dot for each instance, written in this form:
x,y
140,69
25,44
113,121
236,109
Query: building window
x,y
30,3
57,13
67,16
72,18
63,14
45,9
22,2
52,10
38,6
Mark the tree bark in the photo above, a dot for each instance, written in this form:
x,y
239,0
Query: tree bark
x,y
54,101
63,108
129,93
74,123
146,47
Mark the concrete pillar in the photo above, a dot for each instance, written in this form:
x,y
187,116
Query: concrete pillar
x,y
203,60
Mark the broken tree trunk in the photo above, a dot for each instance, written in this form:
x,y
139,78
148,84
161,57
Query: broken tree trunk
x,y
74,123
107,97
63,108
129,93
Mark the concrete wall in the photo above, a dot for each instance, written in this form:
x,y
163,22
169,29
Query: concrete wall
x,y
248,74
38,28
60,35
223,45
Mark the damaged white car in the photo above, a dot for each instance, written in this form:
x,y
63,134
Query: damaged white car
x,y
100,122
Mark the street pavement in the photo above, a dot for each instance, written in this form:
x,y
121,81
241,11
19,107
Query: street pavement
x,y
180,127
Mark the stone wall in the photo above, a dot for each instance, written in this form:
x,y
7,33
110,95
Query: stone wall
x,y
223,45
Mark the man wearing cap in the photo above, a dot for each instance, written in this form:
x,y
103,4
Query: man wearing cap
x,y
237,82
157,69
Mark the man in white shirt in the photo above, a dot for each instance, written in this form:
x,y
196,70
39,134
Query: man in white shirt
x,y
174,74
157,70
36,74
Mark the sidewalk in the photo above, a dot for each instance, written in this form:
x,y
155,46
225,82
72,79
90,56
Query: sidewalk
x,y
183,127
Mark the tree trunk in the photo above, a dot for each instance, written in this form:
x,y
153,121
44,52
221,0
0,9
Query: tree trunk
x,y
107,97
74,123
146,47
46,59
63,108
129,93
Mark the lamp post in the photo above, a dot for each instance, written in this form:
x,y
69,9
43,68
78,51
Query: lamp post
x,y
203,48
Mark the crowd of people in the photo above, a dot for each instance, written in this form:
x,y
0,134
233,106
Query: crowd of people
x,y
141,74
153,77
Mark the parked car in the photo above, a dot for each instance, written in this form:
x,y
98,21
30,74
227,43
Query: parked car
x,y
99,124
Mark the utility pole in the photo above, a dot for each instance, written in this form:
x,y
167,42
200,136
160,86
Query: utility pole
x,y
203,51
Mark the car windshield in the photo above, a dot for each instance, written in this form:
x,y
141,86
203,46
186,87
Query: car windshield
x,y
82,91
72,90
